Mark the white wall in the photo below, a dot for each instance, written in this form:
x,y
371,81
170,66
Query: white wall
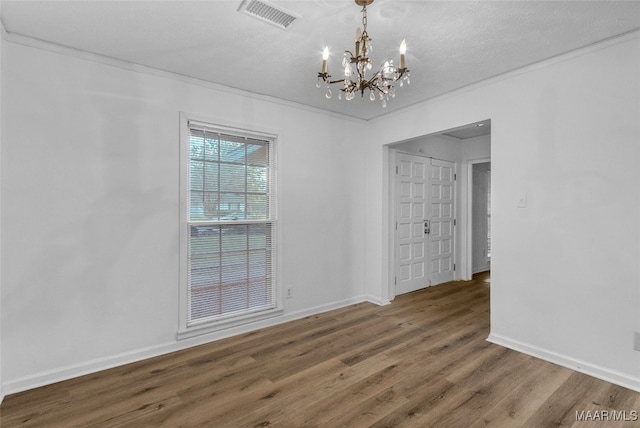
x,y
2,33
477,148
433,146
90,209
565,276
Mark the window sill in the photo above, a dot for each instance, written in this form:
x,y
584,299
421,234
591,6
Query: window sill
x,y
226,324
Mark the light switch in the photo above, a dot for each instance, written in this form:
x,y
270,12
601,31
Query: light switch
x,y
522,200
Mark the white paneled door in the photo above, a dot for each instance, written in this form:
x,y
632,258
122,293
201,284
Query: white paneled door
x,y
442,221
411,210
424,222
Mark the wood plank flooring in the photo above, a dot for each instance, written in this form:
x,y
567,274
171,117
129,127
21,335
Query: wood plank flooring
x,y
422,361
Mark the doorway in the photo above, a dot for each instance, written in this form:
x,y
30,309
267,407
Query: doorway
x,y
409,260
480,217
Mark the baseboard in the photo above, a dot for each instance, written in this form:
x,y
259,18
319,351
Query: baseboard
x,y
376,300
481,269
596,371
75,370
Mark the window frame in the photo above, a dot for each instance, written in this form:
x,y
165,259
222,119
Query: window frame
x,y
185,329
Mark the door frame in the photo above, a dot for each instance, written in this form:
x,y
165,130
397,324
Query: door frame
x,y
468,266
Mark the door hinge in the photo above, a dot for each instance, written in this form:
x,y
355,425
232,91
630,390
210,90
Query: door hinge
x,y
396,169
454,267
396,225
455,177
395,280
455,222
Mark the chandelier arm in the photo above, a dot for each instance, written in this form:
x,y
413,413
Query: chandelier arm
x,y
325,77
374,78
331,82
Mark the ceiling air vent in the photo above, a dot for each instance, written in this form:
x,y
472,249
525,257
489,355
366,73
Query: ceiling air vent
x,y
268,12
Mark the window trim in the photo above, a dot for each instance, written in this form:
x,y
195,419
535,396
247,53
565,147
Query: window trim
x,y
195,329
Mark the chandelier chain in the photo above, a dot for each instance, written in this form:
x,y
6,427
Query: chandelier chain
x,y
364,17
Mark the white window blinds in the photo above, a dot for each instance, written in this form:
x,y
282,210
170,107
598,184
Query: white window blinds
x,y
231,224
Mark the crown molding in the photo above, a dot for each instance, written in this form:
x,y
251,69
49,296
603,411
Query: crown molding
x,y
3,31
131,66
143,69
584,50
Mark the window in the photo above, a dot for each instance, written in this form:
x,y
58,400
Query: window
x,y
228,226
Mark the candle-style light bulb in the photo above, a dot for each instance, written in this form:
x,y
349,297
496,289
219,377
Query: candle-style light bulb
x,y
358,38
403,50
325,57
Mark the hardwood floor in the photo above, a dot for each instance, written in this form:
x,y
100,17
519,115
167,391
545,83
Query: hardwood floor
x,y
422,361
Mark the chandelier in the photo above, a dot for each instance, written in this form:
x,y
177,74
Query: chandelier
x,y
356,65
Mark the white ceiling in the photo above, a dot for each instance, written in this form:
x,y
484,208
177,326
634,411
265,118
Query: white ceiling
x,y
450,44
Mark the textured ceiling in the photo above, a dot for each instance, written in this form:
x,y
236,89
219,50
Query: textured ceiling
x,y
451,44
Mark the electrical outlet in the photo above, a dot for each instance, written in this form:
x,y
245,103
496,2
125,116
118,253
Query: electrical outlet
x,y
636,341
289,292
